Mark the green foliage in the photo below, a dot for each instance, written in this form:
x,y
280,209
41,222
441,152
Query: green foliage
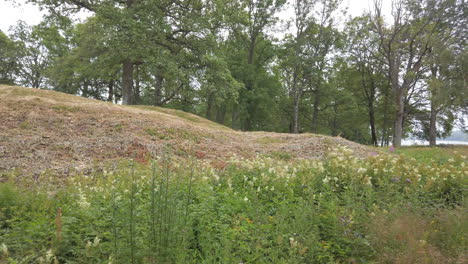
x,y
253,211
222,60
8,59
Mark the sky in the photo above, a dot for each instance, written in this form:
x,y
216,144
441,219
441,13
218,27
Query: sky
x,y
11,12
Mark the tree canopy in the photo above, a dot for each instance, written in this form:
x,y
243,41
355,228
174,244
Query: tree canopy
x,y
245,64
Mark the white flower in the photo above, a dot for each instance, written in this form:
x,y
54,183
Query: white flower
x,y
368,181
362,170
246,199
4,249
96,241
326,180
49,255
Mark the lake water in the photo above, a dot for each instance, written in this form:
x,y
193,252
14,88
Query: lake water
x,y
410,142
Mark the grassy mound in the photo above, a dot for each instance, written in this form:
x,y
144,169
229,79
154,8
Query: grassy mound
x,y
51,132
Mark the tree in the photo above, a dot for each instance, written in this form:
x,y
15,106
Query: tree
x,y
305,56
32,55
8,59
371,85
404,46
250,52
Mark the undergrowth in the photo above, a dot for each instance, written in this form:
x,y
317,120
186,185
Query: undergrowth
x,y
385,209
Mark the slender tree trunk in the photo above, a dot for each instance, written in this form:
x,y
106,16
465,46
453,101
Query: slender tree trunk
x,y
158,86
433,118
315,112
127,82
221,114
399,117
136,99
209,107
385,119
110,96
235,117
334,123
372,124
432,125
297,99
247,124
398,91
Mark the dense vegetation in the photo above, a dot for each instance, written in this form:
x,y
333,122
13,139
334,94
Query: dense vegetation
x,y
370,79
387,208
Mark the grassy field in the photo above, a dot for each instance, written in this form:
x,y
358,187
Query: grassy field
x,y
383,209
440,154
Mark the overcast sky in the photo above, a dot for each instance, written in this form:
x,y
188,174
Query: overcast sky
x,y
10,13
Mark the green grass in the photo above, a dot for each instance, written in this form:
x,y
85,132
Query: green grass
x,y
440,154
383,209
269,140
184,115
66,108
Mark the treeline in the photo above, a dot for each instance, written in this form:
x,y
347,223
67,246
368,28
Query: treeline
x,y
370,79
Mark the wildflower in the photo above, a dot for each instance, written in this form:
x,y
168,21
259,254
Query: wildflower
x,y
4,249
326,180
82,201
395,179
362,170
49,255
96,241
348,151
292,242
368,181
246,199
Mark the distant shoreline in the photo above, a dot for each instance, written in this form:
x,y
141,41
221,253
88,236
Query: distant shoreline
x,y
412,142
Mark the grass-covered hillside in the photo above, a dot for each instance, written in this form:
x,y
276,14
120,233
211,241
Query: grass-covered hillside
x,y
59,133
83,181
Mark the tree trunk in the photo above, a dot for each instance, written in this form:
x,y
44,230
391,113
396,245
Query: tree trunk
x,y
136,99
158,86
372,124
296,114
398,91
110,95
209,107
399,116
234,117
221,114
127,82
249,85
315,112
432,125
385,120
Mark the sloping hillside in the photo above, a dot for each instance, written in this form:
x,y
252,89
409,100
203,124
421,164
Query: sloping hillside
x,y
45,130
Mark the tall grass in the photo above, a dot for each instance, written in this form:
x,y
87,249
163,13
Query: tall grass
x,y
337,210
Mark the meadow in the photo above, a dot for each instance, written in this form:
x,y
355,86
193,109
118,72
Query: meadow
x,y
387,208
